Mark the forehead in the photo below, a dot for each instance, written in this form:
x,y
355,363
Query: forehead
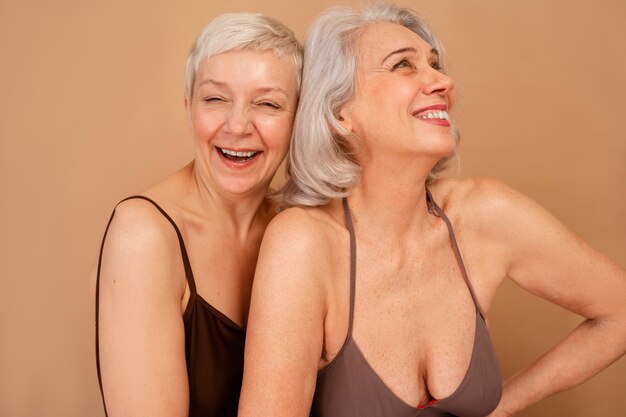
x,y
379,39
246,68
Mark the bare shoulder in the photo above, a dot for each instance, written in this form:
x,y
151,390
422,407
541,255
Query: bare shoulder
x,y
478,193
300,248
137,222
141,247
140,326
303,229
483,203
285,332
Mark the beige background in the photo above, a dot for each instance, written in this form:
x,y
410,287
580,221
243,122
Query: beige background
x,y
91,110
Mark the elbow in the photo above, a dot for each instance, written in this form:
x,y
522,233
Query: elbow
x,y
613,329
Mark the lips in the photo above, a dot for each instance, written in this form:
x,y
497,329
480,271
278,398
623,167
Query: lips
x,y
433,114
436,114
238,156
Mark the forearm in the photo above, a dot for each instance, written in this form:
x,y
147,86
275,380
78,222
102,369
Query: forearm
x,y
591,347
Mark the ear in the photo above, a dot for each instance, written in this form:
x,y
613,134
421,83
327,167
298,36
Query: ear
x,y
187,111
344,118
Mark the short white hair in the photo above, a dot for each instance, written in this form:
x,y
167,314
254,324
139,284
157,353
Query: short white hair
x,y
242,31
321,166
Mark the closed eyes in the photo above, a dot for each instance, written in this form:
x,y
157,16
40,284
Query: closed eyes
x,y
212,99
269,104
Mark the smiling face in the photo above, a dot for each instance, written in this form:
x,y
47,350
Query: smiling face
x,y
402,100
241,114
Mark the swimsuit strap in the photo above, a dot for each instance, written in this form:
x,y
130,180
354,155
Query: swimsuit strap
x,y
183,249
435,209
188,274
98,315
348,216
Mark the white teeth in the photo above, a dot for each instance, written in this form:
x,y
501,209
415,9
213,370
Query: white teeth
x,y
436,115
237,153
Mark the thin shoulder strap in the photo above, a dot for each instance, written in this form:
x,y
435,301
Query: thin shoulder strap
x,y
98,314
348,216
435,209
188,275
181,242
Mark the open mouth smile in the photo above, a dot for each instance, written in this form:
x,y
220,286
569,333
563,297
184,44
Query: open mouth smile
x,y
442,115
238,156
437,115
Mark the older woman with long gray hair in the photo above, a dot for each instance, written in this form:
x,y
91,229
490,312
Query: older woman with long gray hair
x,y
371,292
176,268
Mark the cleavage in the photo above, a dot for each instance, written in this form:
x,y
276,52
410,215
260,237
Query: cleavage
x,y
417,359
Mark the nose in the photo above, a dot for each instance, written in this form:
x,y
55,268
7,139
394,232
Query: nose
x,y
439,83
238,121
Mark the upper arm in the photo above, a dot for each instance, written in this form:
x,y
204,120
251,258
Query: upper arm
x,y
141,333
544,257
284,337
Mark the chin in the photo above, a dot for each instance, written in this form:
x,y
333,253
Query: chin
x,y
442,147
243,187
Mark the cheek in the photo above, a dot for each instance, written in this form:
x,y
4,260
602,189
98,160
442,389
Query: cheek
x,y
397,96
275,132
387,99
451,100
204,123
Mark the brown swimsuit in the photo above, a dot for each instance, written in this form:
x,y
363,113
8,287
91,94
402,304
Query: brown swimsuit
x,y
349,386
214,346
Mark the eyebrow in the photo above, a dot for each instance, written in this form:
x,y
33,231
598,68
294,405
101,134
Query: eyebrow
x,y
270,89
433,51
210,81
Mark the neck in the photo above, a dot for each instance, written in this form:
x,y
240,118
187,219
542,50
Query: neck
x,y
237,212
391,197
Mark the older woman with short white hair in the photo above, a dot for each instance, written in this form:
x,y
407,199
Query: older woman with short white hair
x,y
176,267
370,294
